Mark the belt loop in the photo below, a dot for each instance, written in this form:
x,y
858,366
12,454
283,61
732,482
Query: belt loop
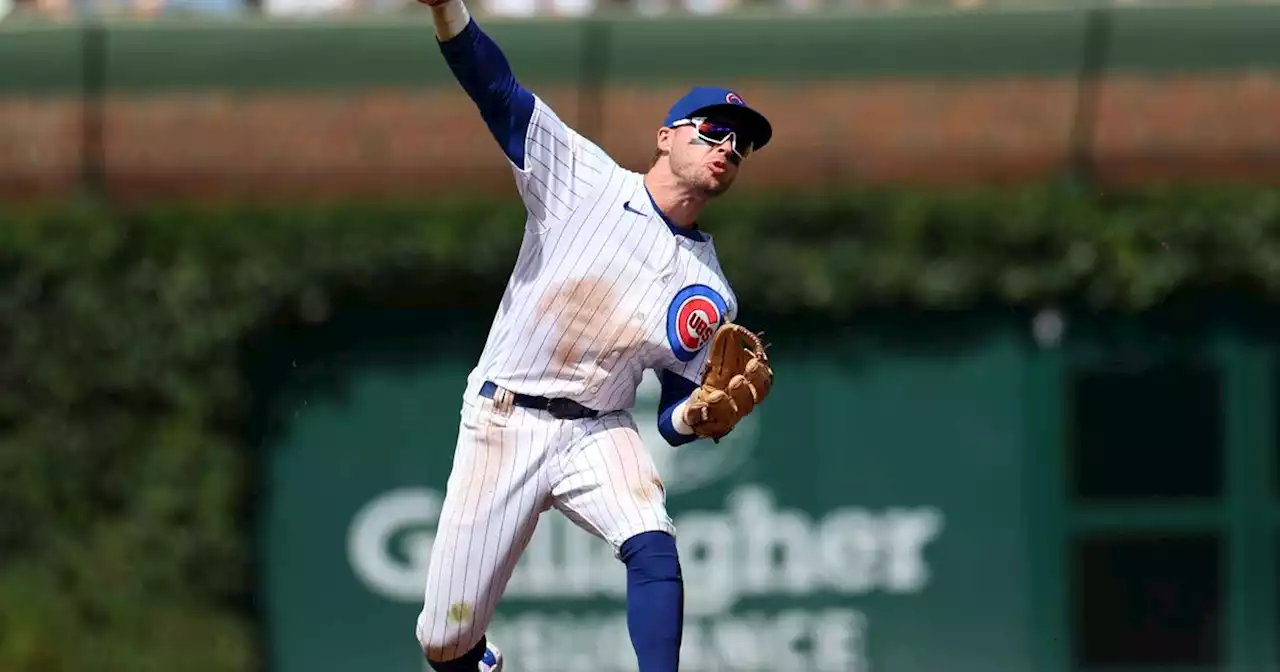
x,y
503,400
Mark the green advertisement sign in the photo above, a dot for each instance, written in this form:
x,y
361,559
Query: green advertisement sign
x,y
867,518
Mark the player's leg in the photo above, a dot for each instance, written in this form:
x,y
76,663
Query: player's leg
x,y
609,485
496,490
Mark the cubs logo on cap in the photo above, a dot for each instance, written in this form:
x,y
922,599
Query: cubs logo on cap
x,y
692,319
734,99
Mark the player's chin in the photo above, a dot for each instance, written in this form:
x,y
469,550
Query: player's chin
x,y
715,184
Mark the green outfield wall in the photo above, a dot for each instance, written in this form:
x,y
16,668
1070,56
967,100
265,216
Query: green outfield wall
x,y
829,533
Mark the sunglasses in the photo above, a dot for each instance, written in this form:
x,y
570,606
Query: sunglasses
x,y
714,133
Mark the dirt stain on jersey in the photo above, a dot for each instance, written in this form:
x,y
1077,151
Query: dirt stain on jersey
x,y
584,312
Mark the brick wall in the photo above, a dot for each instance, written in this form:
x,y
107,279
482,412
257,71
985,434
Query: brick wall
x,y
209,144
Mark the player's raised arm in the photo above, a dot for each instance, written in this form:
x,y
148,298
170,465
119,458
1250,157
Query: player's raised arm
x,y
482,70
554,166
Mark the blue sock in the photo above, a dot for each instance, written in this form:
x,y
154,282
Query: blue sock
x,y
655,600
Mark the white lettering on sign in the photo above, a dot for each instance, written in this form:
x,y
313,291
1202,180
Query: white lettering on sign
x,y
751,549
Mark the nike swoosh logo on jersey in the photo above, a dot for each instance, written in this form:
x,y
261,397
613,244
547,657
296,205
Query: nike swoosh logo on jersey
x,y
627,206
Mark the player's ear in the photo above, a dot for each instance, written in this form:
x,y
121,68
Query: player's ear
x,y
666,136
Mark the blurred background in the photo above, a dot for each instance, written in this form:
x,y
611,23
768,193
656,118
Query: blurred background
x,y
1017,260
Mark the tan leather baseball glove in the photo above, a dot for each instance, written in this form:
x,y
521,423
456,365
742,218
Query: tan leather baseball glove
x,y
735,379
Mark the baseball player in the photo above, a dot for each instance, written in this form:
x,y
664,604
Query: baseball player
x,y
613,277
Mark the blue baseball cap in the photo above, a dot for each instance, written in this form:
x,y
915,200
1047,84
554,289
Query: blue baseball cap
x,y
703,100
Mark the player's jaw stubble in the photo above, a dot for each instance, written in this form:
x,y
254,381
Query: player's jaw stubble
x,y
702,178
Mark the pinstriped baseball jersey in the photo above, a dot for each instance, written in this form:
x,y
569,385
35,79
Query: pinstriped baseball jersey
x,y
603,286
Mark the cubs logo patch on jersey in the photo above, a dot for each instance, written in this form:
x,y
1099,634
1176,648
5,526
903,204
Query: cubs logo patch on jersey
x,y
692,318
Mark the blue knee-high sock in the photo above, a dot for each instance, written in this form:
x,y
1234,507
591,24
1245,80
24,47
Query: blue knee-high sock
x,y
655,600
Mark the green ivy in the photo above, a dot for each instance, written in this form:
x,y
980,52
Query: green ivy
x,y
122,400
